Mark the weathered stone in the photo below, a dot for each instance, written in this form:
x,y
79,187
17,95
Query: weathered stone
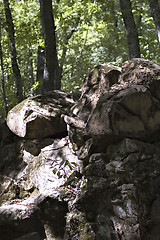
x,y
33,178
120,193
128,108
40,116
30,236
129,113
6,135
100,79
77,227
139,71
99,182
18,227
97,82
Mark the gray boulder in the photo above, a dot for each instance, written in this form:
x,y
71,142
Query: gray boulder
x,y
41,116
128,108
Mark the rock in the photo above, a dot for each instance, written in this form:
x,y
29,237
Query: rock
x,y
41,174
120,192
128,108
40,116
93,176
31,187
100,79
18,220
30,236
6,135
128,113
139,71
97,82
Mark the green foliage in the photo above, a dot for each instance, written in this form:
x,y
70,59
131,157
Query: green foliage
x,y
150,48
96,39
88,33
28,37
63,168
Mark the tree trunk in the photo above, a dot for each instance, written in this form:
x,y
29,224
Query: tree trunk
x,y
66,40
2,77
30,68
131,29
40,69
15,67
155,11
52,78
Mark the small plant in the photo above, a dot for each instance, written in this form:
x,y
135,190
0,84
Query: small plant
x,y
63,168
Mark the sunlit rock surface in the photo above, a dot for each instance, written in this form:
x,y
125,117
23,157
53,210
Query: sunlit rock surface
x,y
87,168
40,116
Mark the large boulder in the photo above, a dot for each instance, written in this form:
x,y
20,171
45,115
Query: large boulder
x,y
96,84
139,71
130,107
130,112
40,116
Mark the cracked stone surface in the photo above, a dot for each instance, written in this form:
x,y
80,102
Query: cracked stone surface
x,y
89,167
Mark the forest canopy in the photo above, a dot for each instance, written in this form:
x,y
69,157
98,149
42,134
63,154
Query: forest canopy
x,y
85,33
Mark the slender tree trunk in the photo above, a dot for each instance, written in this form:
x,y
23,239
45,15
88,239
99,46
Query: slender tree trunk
x,y
15,67
155,11
52,78
30,68
67,38
131,29
2,77
115,29
40,69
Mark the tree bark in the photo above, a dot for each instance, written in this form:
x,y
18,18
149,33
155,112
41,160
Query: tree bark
x,y
2,77
15,67
52,78
40,69
155,11
131,29
68,37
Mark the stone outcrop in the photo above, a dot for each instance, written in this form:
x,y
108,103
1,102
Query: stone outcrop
x,y
88,167
41,116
